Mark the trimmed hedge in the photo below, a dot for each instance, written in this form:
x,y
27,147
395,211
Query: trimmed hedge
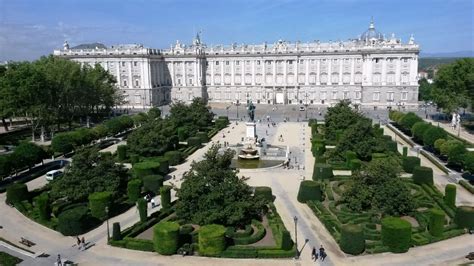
x,y
422,175
122,152
146,168
98,202
211,240
142,209
265,192
355,164
318,148
438,144
350,155
202,136
17,192
467,186
134,189
409,120
432,134
166,237
418,130
352,239
376,156
286,241
450,195
409,163
194,141
153,183
405,151
116,233
164,165
396,234
222,122
165,193
465,217
255,237
309,190
43,206
322,171
436,223
72,222
174,157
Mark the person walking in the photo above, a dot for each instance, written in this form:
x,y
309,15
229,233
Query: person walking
x,y
322,253
314,254
83,242
78,242
152,203
58,260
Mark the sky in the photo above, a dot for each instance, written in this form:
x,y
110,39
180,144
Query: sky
x,y
32,28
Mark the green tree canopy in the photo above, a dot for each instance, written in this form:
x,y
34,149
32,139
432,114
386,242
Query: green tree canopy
x,y
213,193
339,117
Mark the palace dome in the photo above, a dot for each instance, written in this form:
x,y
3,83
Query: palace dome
x,y
371,33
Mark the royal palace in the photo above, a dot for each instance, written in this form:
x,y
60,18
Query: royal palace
x,y
371,71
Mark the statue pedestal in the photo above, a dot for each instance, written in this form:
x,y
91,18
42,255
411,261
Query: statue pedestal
x,y
251,131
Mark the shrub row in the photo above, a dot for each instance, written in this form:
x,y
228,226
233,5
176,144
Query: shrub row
x,y
256,236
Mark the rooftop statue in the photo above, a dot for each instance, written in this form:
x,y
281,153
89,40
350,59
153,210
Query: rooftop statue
x,y
251,111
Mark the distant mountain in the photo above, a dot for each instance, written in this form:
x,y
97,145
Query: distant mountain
x,y
449,54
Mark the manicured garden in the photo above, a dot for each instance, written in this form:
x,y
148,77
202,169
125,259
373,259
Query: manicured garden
x,y
389,203
216,214
8,260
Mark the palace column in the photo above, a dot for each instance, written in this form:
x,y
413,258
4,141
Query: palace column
x,y
384,71
352,70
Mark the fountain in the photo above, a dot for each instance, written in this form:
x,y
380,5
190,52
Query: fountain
x,y
249,153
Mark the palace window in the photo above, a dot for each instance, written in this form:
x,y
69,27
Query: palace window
x,y
137,83
357,95
390,96
334,95
345,95
125,83
137,98
217,63
323,95
236,63
226,63
123,64
376,96
404,96
290,62
190,81
135,63
258,62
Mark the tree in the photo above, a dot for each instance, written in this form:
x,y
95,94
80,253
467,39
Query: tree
x,y
339,117
91,172
425,90
29,154
358,137
213,193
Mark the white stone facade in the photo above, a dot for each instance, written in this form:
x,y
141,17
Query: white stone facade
x,y
370,71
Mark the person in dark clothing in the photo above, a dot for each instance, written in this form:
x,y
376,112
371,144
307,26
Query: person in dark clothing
x,y
78,242
314,254
322,253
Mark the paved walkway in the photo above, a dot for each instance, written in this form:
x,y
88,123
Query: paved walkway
x,y
284,183
460,132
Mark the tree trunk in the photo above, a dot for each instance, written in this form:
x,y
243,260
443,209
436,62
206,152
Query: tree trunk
x,y
32,133
42,134
88,122
5,125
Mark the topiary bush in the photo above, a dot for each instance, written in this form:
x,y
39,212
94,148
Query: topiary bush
x,y
464,217
44,208
456,154
418,130
116,233
422,175
183,133
309,190
264,192
409,163
194,141
350,155
409,120
405,151
432,134
318,149
174,157
436,223
142,209
146,168
166,237
98,202
469,162
355,164
165,193
322,171
352,239
17,192
396,234
122,152
73,222
211,240
134,189
164,165
392,146
376,156
202,136
450,195
286,241
152,183
438,144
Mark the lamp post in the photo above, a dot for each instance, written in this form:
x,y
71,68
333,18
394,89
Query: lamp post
x,y
306,105
297,255
107,213
237,104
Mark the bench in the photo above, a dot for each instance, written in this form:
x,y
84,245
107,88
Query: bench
x,y
27,242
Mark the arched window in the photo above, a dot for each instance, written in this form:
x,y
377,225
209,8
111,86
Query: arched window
x,y
125,83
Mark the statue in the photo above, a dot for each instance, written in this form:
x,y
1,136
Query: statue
x,y
251,111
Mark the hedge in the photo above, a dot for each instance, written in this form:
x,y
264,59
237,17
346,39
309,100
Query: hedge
x,y
355,164
396,234
255,237
418,130
138,244
286,241
73,222
467,186
376,156
322,171
409,120
98,203
450,195
432,134
202,136
265,192
422,175
164,165
392,146
174,157
43,206
436,223
152,183
166,237
146,168
134,188
116,233
405,151
352,239
222,122
350,155
309,190
211,240
17,192
122,152
194,141
409,163
165,193
183,133
142,209
465,217
438,144
318,149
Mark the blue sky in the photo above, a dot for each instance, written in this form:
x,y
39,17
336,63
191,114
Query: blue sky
x,y
29,29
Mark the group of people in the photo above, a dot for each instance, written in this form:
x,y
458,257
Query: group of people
x,y
321,254
150,199
81,243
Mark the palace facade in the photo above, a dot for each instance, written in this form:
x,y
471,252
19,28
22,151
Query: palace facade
x,y
370,70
